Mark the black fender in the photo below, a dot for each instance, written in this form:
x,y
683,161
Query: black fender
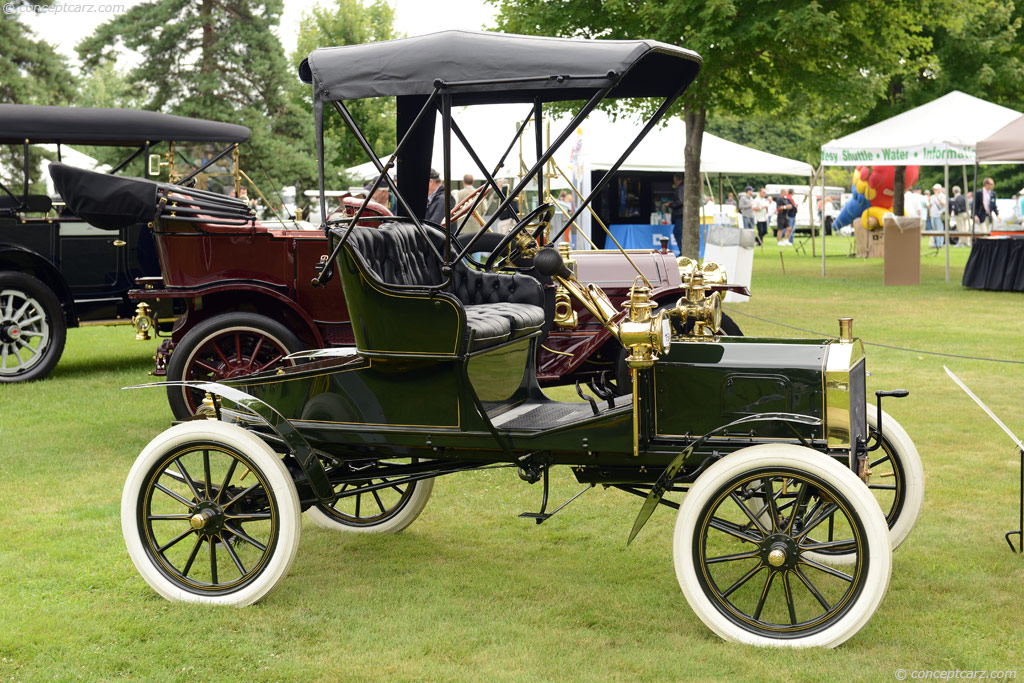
x,y
668,476
18,258
296,443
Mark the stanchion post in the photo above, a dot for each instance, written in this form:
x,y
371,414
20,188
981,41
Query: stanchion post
x,y
1019,533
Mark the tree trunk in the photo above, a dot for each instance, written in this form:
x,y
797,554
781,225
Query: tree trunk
x,y
899,188
695,119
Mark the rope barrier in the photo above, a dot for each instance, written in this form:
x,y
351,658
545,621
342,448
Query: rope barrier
x,y
884,346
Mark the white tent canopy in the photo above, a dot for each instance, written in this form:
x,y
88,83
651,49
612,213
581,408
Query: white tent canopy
x,y
943,132
489,128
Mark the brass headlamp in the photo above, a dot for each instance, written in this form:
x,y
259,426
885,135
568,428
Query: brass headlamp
x,y
647,336
704,307
713,273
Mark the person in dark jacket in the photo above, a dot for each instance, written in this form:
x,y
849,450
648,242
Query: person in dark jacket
x,y
985,205
783,205
676,206
435,199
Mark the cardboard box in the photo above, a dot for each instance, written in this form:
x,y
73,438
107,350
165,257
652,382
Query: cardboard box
x,y
902,250
869,243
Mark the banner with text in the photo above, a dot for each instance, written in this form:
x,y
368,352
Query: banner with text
x,y
919,155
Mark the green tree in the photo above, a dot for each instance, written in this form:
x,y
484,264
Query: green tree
x,y
31,72
348,22
977,48
220,60
758,55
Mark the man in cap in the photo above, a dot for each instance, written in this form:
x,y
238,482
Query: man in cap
x,y
435,199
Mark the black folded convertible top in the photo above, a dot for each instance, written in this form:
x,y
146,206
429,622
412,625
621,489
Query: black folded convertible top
x,y
127,127
105,200
109,201
526,67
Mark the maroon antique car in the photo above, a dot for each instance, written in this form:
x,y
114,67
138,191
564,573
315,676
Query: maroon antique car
x,y
247,301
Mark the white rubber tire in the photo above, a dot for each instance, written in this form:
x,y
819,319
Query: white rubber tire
x,y
392,525
281,488
844,481
905,452
913,473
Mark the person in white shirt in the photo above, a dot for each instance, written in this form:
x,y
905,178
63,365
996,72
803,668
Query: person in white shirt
x,y
759,208
937,213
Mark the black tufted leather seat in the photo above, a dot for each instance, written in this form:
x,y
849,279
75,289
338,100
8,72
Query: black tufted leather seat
x,y
498,307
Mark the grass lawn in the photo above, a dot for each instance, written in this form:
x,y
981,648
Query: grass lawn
x,y
470,591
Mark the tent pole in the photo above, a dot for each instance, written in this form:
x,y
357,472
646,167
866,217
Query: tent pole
x,y
974,196
823,219
721,197
810,209
945,233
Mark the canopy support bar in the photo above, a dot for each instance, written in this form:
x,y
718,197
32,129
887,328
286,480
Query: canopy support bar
x,y
488,176
446,142
538,125
606,178
129,159
26,168
552,148
385,175
209,162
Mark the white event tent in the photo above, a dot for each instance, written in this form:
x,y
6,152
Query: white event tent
x,y
491,128
943,132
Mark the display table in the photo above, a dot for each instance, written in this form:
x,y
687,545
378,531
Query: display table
x,y
644,236
996,263
733,249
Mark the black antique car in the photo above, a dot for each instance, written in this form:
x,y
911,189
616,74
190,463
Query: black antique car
x,y
56,269
779,540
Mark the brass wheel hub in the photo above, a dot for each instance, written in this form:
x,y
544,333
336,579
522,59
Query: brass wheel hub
x,y
780,552
207,519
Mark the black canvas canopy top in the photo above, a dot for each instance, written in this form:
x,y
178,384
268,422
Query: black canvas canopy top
x,y
114,127
478,67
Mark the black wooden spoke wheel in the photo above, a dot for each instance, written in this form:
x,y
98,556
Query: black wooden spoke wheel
x,y
748,543
223,347
210,514
374,504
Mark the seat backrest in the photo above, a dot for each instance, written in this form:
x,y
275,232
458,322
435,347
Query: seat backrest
x,y
398,254
33,203
393,322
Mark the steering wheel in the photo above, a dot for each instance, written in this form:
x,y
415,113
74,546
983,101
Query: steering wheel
x,y
540,217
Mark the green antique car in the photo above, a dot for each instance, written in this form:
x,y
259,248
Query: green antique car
x,y
796,489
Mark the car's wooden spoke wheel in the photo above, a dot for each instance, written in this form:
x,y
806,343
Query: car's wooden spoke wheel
x,y
210,514
225,347
373,504
747,537
32,328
